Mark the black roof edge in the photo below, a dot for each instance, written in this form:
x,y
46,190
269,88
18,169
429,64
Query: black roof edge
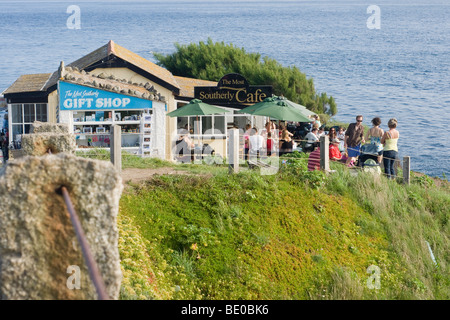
x,y
27,97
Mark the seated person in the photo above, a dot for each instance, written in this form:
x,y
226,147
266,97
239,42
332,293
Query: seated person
x,y
303,129
312,140
184,145
335,154
321,132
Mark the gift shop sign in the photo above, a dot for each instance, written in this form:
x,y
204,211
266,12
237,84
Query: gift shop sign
x,y
233,89
75,97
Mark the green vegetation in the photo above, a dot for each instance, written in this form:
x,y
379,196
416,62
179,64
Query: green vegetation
x,y
211,61
293,235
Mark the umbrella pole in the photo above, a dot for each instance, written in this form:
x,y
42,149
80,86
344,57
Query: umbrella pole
x,y
198,132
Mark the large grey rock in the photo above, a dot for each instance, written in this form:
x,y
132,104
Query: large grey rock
x,y
37,240
40,144
40,127
46,136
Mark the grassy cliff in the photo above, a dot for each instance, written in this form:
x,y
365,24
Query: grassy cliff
x,y
292,235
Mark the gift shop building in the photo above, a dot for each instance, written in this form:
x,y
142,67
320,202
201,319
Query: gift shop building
x,y
114,86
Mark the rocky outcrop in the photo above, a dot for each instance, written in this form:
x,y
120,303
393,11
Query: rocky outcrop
x,y
48,137
39,250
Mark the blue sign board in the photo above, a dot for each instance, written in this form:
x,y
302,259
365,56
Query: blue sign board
x,y
75,97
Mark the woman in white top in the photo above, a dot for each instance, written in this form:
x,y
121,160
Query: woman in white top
x,y
390,150
341,137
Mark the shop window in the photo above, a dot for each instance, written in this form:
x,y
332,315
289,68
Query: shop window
x,y
219,124
17,129
16,113
92,128
207,124
127,115
29,114
241,121
23,115
41,112
182,123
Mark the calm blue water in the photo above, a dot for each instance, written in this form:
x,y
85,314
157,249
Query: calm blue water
x,y
401,70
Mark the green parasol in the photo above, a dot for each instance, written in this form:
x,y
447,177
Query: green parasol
x,y
196,108
276,109
303,109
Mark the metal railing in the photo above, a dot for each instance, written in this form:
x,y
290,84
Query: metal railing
x,y
94,272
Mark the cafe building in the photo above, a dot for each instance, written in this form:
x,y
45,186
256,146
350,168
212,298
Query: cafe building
x,y
114,86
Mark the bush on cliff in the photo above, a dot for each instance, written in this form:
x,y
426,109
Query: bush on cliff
x,y
293,235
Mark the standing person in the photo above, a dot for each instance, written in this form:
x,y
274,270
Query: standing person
x,y
390,150
316,121
284,129
248,128
286,143
332,134
354,136
4,140
256,144
268,127
269,144
5,123
341,137
374,135
2,146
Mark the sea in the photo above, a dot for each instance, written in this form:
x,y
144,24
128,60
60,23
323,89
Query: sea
x,y
380,58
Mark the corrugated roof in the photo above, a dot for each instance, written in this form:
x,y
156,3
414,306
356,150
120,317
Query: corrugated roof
x,y
187,85
29,83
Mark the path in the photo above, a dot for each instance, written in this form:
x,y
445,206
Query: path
x,y
136,175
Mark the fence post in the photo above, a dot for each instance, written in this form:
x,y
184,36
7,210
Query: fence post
x,y
406,170
116,147
324,153
233,151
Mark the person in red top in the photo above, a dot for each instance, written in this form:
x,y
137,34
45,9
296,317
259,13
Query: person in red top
x,y
269,143
334,152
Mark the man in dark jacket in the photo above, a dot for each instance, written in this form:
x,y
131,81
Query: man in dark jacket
x,y
354,136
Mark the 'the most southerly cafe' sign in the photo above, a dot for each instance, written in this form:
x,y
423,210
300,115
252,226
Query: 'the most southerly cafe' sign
x,y
233,90
75,97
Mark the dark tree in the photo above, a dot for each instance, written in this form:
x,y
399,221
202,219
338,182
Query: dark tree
x,y
211,61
